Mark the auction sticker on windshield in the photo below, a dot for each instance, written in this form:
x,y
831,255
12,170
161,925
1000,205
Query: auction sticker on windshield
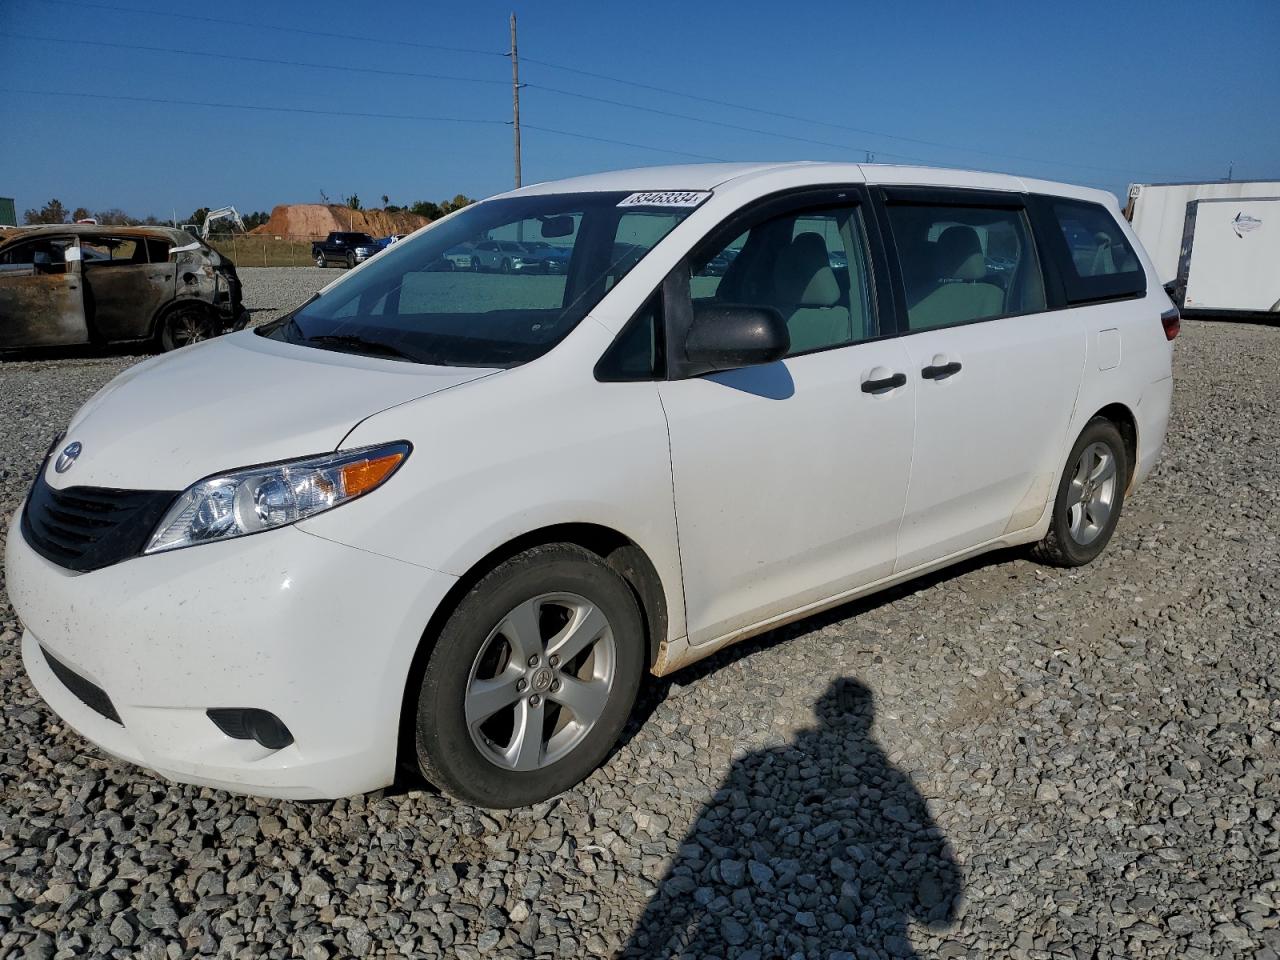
x,y
667,198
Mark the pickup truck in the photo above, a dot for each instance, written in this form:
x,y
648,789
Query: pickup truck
x,y
345,248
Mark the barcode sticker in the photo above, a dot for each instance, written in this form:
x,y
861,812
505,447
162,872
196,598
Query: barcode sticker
x,y
666,198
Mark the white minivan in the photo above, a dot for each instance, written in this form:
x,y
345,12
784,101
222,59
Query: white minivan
x,y
450,518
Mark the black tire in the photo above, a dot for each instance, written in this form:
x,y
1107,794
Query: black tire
x,y
447,755
1059,547
321,262
186,324
351,261
506,266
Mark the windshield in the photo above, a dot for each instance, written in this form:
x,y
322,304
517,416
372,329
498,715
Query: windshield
x,y
505,304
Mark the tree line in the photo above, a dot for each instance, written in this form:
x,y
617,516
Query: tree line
x,y
423,208
55,212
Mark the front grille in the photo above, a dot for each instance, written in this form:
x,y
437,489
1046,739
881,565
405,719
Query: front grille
x,y
88,692
88,528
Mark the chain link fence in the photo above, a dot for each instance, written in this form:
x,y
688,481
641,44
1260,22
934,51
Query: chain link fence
x,y
265,250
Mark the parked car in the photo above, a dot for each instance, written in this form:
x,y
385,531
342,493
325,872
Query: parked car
x,y
554,259
439,516
345,248
462,256
505,256
71,284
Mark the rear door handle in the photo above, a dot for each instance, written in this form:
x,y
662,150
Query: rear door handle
x,y
932,372
886,383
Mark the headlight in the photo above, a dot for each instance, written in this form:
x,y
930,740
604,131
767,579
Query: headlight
x,y
261,498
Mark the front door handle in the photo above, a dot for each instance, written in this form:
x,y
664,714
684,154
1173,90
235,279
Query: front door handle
x,y
885,383
942,371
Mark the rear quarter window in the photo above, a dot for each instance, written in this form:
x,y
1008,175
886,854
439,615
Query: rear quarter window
x,y
1097,260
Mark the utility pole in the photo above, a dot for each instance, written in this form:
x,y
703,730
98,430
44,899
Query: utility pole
x,y
515,94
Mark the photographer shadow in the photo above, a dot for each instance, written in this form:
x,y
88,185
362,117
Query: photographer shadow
x,y
820,847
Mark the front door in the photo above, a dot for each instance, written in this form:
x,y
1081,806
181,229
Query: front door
x,y
125,289
41,299
997,375
790,478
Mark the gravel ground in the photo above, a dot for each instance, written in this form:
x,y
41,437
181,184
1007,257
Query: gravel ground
x,y
270,291
1001,761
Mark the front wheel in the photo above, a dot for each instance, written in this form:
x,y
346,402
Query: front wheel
x,y
320,260
1090,496
185,325
531,680
351,262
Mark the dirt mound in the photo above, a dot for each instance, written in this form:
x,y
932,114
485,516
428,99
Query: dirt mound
x,y
317,220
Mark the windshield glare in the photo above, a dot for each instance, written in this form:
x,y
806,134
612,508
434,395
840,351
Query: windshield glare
x,y
517,293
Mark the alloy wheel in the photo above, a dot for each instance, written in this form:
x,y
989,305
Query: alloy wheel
x,y
185,327
540,681
1091,495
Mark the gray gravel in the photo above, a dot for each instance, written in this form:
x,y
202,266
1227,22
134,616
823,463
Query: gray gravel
x,y
271,291
1002,761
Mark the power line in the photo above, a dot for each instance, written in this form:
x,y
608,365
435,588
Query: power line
x,y
715,123
116,8
667,91
801,119
621,143
450,77
436,76
252,106
266,60
344,113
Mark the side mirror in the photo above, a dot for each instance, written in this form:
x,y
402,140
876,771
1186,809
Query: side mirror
x,y
728,336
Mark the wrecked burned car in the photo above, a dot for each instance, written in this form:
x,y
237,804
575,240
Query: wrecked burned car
x,y
68,284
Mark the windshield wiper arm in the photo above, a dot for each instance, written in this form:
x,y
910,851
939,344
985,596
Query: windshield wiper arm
x,y
360,344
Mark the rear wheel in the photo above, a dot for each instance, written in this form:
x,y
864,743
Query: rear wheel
x,y
531,680
184,325
1090,496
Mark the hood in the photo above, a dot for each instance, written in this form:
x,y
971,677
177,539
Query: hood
x,y
235,401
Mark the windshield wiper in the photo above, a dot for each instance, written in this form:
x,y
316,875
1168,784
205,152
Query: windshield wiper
x,y
359,344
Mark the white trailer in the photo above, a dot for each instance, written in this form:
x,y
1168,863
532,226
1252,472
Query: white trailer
x,y
1158,212
1230,261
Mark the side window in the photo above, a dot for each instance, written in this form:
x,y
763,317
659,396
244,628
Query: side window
x,y
961,264
810,266
633,237
45,256
637,353
706,280
157,250
1102,264
115,251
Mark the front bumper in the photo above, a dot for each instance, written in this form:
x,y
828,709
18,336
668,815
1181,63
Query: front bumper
x,y
320,634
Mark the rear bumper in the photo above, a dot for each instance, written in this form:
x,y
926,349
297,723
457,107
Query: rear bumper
x,y
320,634
1153,411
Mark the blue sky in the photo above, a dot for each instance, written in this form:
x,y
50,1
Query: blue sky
x,y
1102,93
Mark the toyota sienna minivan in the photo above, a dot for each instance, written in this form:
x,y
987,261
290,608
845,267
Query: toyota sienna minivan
x,y
451,518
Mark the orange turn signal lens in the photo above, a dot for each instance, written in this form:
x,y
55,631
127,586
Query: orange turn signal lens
x,y
363,475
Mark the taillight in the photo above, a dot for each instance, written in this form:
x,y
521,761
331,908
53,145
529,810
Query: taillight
x,y
1171,320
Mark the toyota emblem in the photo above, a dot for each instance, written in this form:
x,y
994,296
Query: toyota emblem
x,y
67,457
